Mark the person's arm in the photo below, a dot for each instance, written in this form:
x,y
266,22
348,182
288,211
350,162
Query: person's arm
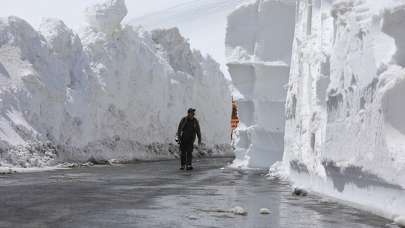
x,y
198,132
180,128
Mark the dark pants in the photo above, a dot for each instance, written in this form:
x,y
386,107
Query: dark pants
x,y
186,155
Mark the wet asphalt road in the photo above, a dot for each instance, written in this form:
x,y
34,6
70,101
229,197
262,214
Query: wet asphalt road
x,y
157,194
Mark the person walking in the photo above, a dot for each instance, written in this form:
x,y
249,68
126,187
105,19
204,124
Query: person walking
x,y
187,131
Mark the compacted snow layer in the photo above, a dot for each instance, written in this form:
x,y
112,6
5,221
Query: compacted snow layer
x,y
112,92
344,114
345,127
259,52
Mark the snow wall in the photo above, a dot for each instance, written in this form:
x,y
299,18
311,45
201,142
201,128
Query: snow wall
x,y
258,49
345,108
113,92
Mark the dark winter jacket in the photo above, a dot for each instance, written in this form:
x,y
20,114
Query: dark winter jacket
x,y
188,130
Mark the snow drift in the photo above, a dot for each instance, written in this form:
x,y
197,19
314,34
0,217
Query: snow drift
x,y
259,56
114,92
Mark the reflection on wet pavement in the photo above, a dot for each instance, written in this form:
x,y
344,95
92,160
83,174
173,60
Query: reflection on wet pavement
x,y
156,194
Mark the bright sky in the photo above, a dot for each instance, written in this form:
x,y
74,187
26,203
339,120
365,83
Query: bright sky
x,y
71,11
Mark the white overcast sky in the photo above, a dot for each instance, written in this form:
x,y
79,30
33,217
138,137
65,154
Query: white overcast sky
x,y
71,11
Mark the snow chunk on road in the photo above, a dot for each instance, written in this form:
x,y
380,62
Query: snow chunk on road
x,y
5,170
239,211
265,211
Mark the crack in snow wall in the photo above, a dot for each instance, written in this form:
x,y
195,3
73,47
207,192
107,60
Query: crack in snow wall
x,y
345,114
259,44
114,92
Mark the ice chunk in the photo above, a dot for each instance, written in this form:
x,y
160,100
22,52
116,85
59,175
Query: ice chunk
x,y
5,170
265,211
239,211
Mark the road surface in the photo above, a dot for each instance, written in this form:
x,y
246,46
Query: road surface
x,y
157,194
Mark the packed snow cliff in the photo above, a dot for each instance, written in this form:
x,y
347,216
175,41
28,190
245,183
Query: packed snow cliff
x,y
345,109
114,92
259,50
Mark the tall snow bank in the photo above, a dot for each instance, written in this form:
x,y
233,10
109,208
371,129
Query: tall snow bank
x,y
259,45
114,92
345,115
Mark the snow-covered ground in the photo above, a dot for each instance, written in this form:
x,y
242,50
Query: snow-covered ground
x,y
113,92
345,115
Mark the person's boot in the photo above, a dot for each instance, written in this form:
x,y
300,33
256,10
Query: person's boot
x,y
189,167
182,167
